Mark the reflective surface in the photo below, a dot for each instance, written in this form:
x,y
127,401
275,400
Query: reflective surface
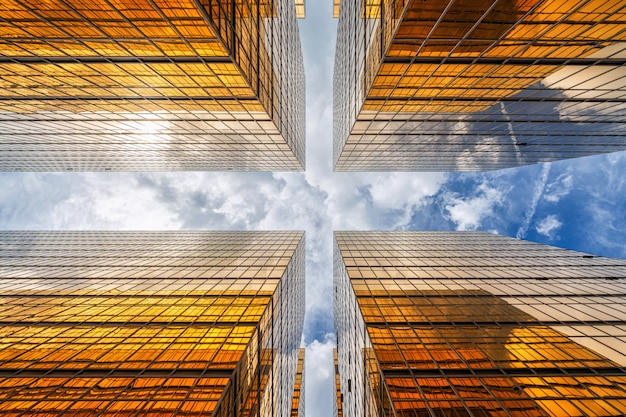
x,y
142,85
150,323
297,404
300,9
474,324
473,86
339,400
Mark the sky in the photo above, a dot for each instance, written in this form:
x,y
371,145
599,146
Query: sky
x,y
578,204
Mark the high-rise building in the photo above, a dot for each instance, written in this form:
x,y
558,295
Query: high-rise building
x,y
297,404
477,85
338,412
474,324
150,323
151,85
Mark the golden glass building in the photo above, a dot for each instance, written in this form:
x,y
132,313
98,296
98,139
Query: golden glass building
x,y
477,85
150,323
474,324
151,85
297,404
337,411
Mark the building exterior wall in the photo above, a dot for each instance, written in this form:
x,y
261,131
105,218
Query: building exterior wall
x,y
142,85
150,323
474,324
476,86
297,405
337,409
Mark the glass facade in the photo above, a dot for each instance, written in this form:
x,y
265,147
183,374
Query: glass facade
x,y
151,85
300,9
338,412
150,323
336,8
297,404
474,86
474,324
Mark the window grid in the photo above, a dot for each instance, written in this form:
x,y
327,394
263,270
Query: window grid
x,y
545,339
449,86
162,344
144,85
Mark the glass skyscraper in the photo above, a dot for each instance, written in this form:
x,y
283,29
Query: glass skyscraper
x,y
151,85
477,85
338,411
474,324
150,323
297,404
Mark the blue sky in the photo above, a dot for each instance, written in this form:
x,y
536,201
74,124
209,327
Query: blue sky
x,y
578,204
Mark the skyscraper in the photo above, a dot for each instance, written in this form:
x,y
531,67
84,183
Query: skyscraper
x,y
338,412
474,324
474,86
297,405
151,85
150,323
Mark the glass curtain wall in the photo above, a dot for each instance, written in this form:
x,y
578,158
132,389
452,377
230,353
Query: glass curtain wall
x,y
150,323
474,86
151,85
474,324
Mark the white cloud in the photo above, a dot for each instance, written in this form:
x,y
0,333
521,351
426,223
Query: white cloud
x,y
616,158
469,212
320,378
403,193
559,188
393,190
117,201
366,201
549,226
80,201
540,186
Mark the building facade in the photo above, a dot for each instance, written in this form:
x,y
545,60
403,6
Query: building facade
x,y
297,404
474,324
150,323
337,410
476,86
151,85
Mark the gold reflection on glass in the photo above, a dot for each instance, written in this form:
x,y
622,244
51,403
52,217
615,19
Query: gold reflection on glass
x,y
300,9
297,404
336,7
149,323
467,86
210,70
440,331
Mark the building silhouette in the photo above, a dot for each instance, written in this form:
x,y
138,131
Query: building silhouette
x,y
151,85
474,324
477,86
150,323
